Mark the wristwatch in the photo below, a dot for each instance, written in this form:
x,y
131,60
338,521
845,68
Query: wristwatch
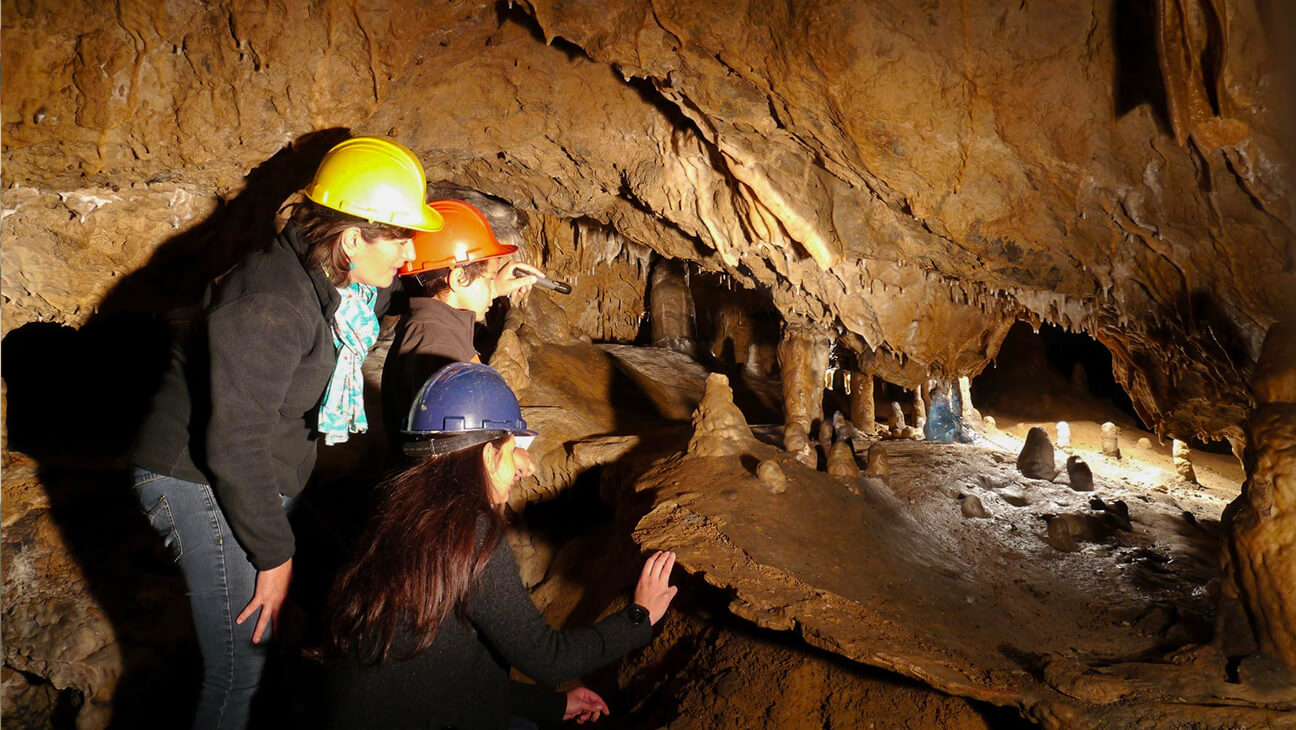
x,y
636,613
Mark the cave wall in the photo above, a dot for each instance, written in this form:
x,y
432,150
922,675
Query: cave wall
x,y
1073,162
914,177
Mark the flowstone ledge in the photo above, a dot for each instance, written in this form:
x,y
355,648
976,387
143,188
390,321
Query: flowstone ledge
x,y
896,577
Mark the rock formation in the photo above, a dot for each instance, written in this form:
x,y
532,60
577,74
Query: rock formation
x,y
861,402
1111,440
719,428
1079,476
1036,457
1262,521
905,179
1182,456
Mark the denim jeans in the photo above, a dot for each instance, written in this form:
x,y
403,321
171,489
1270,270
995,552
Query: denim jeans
x,y
220,582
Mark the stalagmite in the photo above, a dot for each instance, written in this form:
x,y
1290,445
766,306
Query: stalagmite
x,y
1079,474
1261,522
971,416
897,425
771,475
1144,443
990,425
719,428
1063,435
671,305
825,437
1036,457
1111,440
843,430
878,468
920,398
1183,461
861,402
841,461
944,423
803,359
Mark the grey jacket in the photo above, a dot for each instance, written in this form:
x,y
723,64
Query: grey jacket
x,y
238,407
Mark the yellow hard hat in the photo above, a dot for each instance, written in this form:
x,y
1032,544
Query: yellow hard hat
x,y
377,179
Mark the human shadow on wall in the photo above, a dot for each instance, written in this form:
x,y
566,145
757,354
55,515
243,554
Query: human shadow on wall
x,y
76,401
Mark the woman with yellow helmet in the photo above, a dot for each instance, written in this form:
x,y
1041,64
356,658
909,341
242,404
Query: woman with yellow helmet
x,y
273,367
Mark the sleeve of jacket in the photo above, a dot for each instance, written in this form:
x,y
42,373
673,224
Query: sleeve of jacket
x,y
540,705
503,611
256,343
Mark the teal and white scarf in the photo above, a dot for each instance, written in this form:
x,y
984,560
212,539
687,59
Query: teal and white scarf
x,y
355,329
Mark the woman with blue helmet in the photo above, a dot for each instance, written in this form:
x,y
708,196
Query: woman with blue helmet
x,y
425,620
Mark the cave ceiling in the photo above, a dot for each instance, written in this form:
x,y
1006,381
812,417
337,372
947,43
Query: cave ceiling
x,y
912,177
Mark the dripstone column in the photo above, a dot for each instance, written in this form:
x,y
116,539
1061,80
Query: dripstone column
x,y
1261,522
803,358
861,403
671,308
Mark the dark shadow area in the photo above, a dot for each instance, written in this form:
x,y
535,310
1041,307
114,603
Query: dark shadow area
x,y
1045,375
1137,74
76,400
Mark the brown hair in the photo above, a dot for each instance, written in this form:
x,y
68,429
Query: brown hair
x,y
321,230
418,559
438,281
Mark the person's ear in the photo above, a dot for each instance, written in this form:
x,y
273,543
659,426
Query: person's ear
x,y
351,241
491,457
459,279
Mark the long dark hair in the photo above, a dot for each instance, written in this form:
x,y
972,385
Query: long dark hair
x,y
321,230
418,559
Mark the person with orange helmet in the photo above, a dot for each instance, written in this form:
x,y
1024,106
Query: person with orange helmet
x,y
271,369
458,272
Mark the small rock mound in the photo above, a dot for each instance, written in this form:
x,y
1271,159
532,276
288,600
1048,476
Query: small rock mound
x,y
1036,457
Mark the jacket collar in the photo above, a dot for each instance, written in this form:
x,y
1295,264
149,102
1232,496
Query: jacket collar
x,y
328,295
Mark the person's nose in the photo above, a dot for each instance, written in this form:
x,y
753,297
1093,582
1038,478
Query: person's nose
x,y
525,465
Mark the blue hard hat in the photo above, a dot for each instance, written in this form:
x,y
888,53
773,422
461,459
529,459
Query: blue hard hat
x,y
463,404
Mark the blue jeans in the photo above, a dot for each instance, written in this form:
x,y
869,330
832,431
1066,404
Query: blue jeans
x,y
220,582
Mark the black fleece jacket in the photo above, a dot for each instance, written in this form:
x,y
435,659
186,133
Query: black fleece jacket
x,y
238,408
460,683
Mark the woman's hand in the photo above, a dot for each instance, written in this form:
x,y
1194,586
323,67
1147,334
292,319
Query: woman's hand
x,y
271,590
584,705
654,591
507,281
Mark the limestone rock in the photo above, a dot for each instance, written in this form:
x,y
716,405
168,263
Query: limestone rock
x,y
1111,440
841,461
861,401
1036,457
825,437
510,359
1064,436
972,507
1182,456
1079,475
719,428
878,468
897,424
1261,522
771,476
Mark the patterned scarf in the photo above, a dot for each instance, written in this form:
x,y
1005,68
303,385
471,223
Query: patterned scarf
x,y
355,329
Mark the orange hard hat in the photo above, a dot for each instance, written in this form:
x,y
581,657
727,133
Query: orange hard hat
x,y
465,238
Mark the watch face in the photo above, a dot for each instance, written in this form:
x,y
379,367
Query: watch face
x,y
637,614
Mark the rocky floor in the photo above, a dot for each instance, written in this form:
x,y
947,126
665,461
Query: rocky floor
x,y
1075,607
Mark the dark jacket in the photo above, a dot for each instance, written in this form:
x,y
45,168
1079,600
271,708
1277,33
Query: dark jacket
x,y
458,682
238,407
430,336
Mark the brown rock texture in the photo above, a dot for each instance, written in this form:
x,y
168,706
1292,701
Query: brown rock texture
x,y
908,178
1262,521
